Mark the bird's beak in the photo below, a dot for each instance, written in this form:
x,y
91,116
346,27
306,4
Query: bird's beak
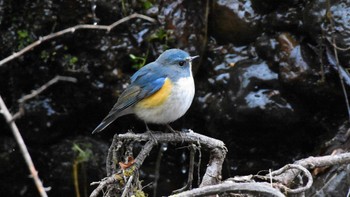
x,y
192,58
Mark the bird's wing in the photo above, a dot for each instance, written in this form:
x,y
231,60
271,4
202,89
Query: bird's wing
x,y
144,83
143,87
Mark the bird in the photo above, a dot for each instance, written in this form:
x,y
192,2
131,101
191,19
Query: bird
x,y
159,93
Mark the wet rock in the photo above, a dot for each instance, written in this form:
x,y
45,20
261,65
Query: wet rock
x,y
187,20
284,19
330,21
296,66
239,96
235,21
255,95
268,6
301,72
267,48
242,88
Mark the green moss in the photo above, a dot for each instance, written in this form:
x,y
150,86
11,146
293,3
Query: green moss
x,y
147,4
140,193
129,171
71,59
23,39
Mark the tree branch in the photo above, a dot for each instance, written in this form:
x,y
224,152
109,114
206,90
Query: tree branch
x,y
300,169
213,175
188,185
227,186
189,137
313,162
107,28
36,92
23,148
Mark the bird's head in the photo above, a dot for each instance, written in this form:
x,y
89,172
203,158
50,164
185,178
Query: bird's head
x,y
176,60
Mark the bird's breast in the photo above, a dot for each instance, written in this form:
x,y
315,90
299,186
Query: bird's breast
x,y
159,97
169,103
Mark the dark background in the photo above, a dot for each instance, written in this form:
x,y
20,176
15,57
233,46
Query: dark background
x,y
265,83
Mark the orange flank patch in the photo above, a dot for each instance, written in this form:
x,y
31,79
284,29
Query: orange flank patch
x,y
157,98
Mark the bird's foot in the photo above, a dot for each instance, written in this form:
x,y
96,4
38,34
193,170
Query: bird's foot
x,y
175,132
171,129
151,136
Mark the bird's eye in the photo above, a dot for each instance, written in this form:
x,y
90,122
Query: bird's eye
x,y
181,63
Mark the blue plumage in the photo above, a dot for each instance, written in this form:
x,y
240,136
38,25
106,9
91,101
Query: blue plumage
x,y
174,64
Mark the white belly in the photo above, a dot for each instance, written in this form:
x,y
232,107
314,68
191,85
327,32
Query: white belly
x,y
174,107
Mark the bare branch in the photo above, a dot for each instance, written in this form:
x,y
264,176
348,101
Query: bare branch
x,y
107,28
300,168
217,155
335,51
23,148
144,153
337,47
189,137
110,162
212,176
323,161
157,169
227,186
313,162
127,186
102,184
190,171
36,92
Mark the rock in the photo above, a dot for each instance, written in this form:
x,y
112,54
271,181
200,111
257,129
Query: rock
x,y
317,23
187,20
234,21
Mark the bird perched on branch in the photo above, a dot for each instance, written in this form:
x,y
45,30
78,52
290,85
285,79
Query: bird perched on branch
x,y
160,92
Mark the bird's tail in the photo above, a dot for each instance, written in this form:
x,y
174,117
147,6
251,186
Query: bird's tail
x,y
105,122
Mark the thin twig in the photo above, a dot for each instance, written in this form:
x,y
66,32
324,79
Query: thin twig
x,y
36,92
330,18
341,80
127,186
102,184
332,61
300,168
107,28
23,148
191,168
337,47
188,185
313,162
157,169
138,162
225,187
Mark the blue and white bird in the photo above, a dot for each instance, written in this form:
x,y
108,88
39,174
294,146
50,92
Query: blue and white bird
x,y
160,92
